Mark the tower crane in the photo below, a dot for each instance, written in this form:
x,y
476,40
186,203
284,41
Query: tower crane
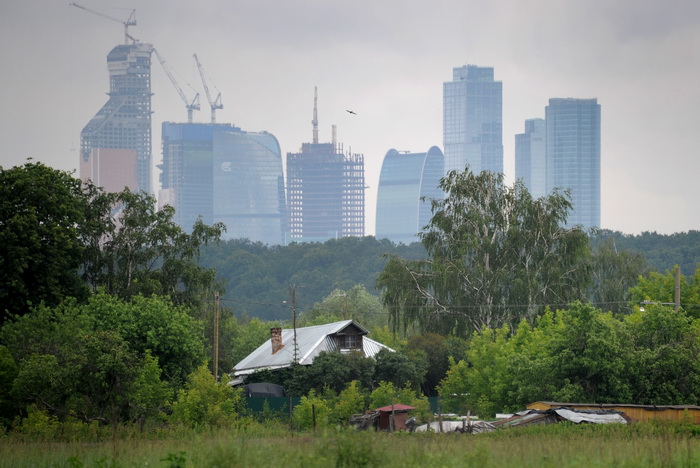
x,y
215,104
191,106
131,21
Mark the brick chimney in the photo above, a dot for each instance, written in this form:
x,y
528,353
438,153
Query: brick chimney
x,y
276,339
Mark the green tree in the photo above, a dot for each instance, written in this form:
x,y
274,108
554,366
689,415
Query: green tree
x,y
355,304
8,373
663,368
205,402
433,349
312,409
351,400
144,252
41,214
102,360
657,287
496,255
399,369
613,273
153,324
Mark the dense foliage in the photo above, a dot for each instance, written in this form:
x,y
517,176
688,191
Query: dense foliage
x,y
580,354
257,277
108,310
495,256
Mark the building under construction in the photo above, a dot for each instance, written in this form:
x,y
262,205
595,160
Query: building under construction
x,y
325,191
115,146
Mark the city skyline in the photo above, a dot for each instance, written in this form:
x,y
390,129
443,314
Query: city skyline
x,y
376,60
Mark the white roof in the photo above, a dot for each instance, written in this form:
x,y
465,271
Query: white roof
x,y
311,341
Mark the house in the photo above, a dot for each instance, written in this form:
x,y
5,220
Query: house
x,y
302,345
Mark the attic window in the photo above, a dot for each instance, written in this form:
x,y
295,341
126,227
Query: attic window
x,y
351,342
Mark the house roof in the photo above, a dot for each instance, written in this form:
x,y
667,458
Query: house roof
x,y
397,407
311,341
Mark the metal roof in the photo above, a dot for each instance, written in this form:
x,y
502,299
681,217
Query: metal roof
x,y
310,342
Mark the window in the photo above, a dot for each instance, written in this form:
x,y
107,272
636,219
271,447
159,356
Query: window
x,y
351,342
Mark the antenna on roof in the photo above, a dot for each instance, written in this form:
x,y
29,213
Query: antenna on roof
x,y
314,122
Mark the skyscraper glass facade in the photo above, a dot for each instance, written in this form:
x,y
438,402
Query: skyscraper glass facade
x,y
249,186
530,164
472,120
573,155
404,179
123,123
223,174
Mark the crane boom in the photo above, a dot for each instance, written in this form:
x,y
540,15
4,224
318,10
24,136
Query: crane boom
x,y
191,106
131,21
215,104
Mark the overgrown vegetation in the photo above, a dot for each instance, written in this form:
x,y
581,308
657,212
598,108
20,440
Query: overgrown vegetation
x,y
640,445
108,311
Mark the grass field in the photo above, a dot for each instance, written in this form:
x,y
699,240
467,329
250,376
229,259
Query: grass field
x,y
639,445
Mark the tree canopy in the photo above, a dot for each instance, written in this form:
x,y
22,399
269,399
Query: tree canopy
x,y
42,211
495,256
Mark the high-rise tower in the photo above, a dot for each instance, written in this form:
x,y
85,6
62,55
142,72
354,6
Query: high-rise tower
x,y
115,146
530,164
325,190
403,182
573,155
472,120
223,174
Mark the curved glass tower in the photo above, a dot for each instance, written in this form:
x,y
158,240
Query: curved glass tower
x,y
227,175
406,178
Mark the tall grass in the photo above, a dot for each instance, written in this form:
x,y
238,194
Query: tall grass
x,y
256,445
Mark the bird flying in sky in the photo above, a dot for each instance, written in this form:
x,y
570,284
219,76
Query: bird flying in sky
x,y
351,112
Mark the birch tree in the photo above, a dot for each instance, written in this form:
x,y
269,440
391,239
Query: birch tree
x,y
496,255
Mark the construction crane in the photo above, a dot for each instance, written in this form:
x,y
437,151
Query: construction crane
x,y
129,22
215,104
191,106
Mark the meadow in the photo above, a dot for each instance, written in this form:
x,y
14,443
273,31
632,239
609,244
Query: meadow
x,y
253,445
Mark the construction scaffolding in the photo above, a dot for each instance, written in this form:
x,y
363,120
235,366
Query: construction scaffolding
x,y
325,193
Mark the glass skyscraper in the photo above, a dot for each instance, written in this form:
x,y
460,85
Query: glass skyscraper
x,y
223,174
472,120
573,155
115,146
530,164
404,179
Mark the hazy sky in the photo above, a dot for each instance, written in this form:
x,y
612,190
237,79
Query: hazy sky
x,y
386,60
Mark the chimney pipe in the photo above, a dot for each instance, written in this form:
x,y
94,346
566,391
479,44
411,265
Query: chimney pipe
x,y
276,339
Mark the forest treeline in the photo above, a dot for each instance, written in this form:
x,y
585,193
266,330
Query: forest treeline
x,y
256,278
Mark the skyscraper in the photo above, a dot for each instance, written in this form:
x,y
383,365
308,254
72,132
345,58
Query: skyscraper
x,y
325,190
472,120
530,164
573,155
224,174
115,146
406,178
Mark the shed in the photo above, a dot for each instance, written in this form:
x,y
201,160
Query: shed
x,y
638,413
398,412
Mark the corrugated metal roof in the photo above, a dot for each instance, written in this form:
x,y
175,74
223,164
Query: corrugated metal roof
x,y
311,341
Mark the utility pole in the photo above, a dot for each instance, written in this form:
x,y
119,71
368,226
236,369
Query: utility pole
x,y
293,294
678,288
216,336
